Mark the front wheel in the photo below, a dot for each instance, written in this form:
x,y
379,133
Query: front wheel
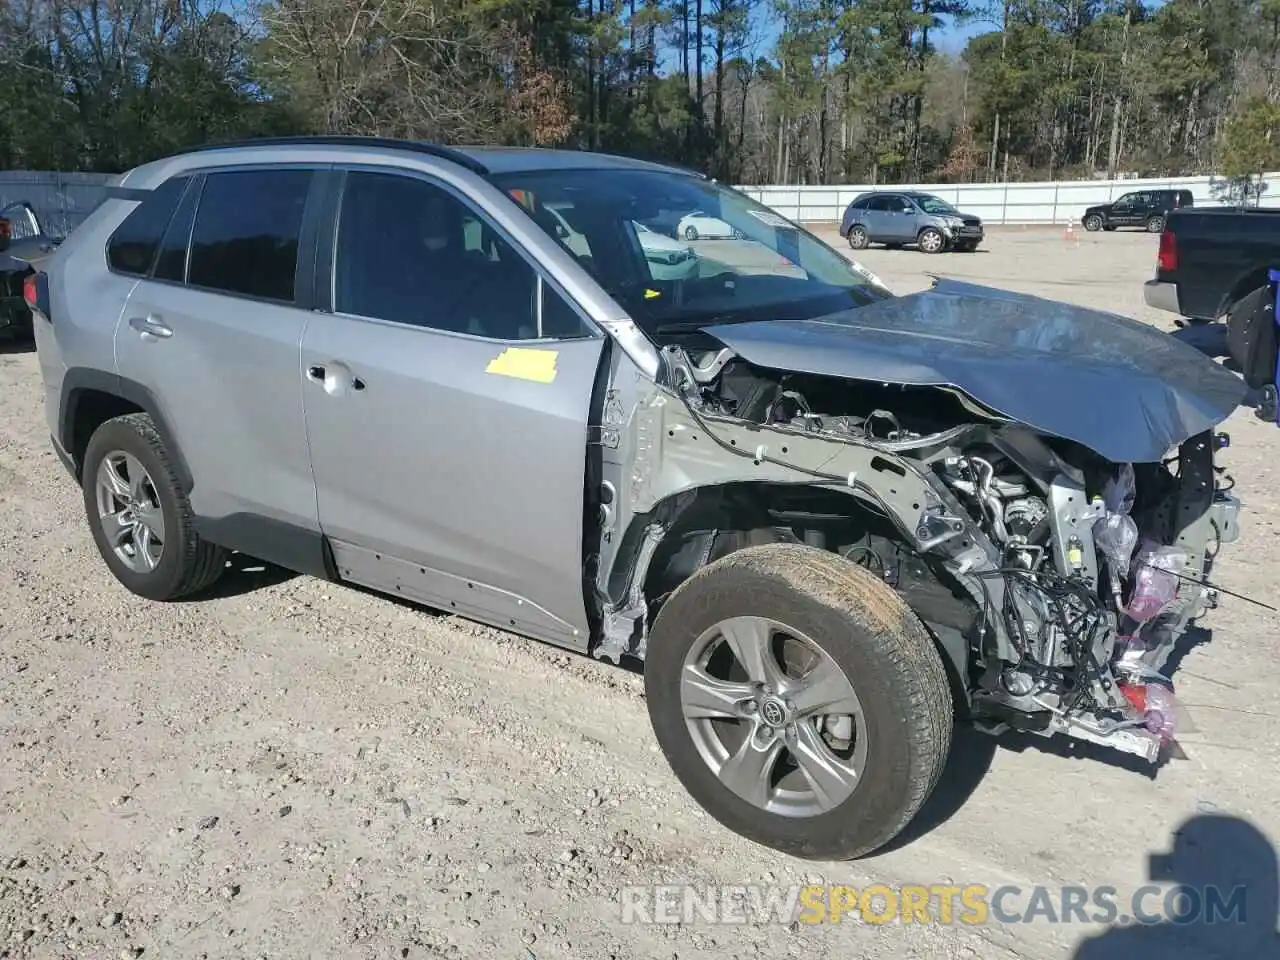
x,y
858,238
691,232
798,700
1093,223
139,515
931,240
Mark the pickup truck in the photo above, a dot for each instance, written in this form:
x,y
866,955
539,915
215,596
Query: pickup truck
x,y
1210,259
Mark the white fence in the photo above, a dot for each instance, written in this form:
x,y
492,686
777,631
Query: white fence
x,y
999,203
62,200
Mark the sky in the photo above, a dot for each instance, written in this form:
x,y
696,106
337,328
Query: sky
x,y
951,39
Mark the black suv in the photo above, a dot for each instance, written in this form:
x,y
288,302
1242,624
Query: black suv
x,y
1141,208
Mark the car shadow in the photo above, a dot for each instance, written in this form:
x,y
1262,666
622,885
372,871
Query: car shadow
x,y
12,345
967,765
1222,902
972,752
243,575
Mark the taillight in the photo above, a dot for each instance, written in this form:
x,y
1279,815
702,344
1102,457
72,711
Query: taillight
x,y
1167,258
35,291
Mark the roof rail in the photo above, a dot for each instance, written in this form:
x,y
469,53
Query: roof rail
x,y
342,140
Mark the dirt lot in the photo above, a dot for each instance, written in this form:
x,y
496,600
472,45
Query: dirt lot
x,y
297,769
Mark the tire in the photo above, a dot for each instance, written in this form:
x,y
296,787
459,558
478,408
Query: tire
x,y
691,232
185,564
931,240
863,630
1155,224
1093,223
858,239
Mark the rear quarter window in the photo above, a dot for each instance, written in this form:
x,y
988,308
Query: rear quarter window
x,y
133,246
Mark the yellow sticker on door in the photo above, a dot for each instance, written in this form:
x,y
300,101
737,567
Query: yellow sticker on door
x,y
525,363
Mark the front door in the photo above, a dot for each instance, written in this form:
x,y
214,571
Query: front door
x,y
1126,212
214,333
447,399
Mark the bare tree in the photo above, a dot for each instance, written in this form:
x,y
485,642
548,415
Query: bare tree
x,y
408,68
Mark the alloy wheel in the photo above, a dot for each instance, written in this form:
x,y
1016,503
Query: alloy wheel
x,y
774,717
129,511
930,241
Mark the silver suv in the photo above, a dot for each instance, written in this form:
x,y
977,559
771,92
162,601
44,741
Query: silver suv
x,y
826,519
897,219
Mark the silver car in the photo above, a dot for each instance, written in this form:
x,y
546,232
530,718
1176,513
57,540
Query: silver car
x,y
899,219
827,520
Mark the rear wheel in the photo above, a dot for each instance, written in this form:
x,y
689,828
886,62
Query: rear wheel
x,y
858,238
139,516
798,700
1155,224
931,240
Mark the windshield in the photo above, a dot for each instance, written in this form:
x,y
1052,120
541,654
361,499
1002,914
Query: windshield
x,y
934,205
718,257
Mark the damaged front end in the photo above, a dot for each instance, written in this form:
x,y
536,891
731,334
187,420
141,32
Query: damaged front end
x,y
1056,562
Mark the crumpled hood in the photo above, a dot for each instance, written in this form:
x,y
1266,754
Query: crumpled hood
x,y
1118,386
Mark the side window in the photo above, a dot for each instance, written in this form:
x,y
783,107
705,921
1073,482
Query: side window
x,y
410,252
132,247
171,263
879,204
245,238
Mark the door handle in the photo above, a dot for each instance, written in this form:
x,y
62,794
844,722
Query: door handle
x,y
151,327
338,382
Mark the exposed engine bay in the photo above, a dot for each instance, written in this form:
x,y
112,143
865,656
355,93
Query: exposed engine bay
x,y
1056,581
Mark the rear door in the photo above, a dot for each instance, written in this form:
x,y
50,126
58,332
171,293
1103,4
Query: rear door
x,y
874,219
897,223
213,331
1144,206
447,398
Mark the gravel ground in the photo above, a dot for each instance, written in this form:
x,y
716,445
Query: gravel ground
x,y
293,768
